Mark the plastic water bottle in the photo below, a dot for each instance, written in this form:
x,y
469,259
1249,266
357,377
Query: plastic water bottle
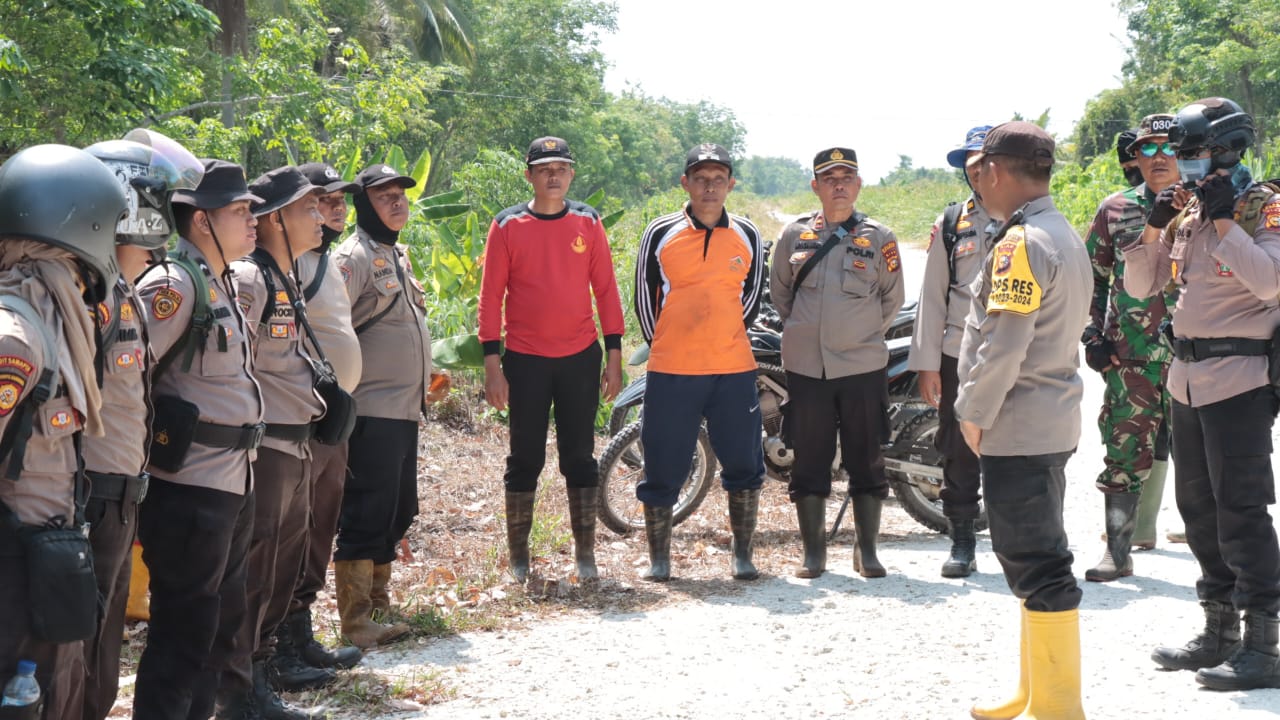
x,y
23,689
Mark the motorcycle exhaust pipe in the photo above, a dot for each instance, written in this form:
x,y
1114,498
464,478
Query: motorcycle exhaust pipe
x,y
907,467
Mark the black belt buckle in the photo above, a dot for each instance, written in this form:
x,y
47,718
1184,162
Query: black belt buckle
x,y
256,433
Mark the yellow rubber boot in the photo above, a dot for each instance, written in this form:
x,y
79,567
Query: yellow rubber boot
x,y
1014,706
1055,666
138,606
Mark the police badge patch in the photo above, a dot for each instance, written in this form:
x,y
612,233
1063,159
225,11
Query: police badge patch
x,y
890,252
165,303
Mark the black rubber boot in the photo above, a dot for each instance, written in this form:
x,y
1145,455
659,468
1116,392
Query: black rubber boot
x,y
657,531
298,626
236,706
519,523
744,506
964,545
811,514
582,519
270,706
1256,664
1122,519
866,525
1217,642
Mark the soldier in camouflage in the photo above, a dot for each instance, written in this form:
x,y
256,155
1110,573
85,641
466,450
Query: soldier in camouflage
x,y
1124,343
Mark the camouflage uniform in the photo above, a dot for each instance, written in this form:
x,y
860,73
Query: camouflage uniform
x,y
1136,401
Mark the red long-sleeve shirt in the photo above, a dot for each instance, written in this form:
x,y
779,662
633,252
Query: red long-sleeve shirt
x,y
546,268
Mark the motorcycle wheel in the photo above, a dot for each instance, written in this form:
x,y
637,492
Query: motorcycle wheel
x,y
919,496
622,466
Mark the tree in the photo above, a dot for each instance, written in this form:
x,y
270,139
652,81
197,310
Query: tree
x,y
773,176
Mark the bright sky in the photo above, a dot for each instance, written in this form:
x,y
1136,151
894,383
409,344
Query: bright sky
x,y
885,77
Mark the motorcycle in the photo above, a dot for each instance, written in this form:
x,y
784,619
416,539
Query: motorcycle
x,y
912,464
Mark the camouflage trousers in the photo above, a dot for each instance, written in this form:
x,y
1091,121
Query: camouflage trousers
x,y
1135,408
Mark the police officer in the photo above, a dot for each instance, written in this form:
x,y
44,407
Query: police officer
x,y
957,245
1019,406
329,312
1224,401
836,281
196,524
1126,157
59,208
1123,342
288,224
116,465
388,308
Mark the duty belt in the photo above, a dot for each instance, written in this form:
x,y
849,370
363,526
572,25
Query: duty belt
x,y
234,437
116,487
1196,349
291,433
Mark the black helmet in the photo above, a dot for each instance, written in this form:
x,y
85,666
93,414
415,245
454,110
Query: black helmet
x,y
1217,124
149,172
65,197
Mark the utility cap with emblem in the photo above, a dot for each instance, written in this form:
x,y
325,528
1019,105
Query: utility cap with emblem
x,y
327,177
1021,139
835,157
65,197
707,152
223,183
379,174
972,141
548,150
1157,125
280,188
1124,141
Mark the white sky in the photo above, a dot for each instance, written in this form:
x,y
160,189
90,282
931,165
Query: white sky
x,y
884,77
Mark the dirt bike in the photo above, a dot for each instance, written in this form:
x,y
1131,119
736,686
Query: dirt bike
x,y
912,464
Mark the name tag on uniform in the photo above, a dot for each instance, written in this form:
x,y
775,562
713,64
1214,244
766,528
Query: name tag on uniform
x,y
799,257
966,248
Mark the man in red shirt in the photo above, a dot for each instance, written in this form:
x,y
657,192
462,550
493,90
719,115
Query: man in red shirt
x,y
546,259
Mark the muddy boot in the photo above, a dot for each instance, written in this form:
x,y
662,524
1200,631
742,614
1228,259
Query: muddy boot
x,y
379,596
964,545
288,672
811,513
582,518
1121,510
1217,642
303,637
1144,532
1256,664
270,705
657,530
866,526
744,506
353,578
519,523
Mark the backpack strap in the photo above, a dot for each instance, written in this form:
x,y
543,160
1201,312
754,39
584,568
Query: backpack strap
x,y
950,218
265,264
362,327
15,440
842,231
202,320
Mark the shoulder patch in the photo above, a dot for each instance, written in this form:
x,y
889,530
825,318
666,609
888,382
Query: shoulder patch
x,y
1271,215
104,314
1013,286
165,303
890,252
346,274
10,391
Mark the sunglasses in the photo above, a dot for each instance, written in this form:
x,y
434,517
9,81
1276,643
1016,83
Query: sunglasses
x,y
1148,149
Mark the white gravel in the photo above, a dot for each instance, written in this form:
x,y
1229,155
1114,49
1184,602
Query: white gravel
x,y
912,645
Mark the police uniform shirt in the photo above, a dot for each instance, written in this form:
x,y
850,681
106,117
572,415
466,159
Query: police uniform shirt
x,y
329,312
1020,355
126,359
836,321
220,381
943,307
283,370
46,486
395,351
1229,287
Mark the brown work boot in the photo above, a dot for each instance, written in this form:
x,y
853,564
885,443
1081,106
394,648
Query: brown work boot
x,y
379,596
353,579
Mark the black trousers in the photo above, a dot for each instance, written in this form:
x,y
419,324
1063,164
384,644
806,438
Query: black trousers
x,y
961,475
380,499
195,542
572,385
856,407
328,477
113,526
1223,486
1024,506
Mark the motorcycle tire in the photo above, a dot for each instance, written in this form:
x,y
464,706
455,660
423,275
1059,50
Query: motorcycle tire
x,y
919,496
622,466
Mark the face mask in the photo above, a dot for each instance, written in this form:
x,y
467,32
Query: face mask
x,y
1194,170
1241,178
1133,176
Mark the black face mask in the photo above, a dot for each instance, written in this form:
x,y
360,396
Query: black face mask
x,y
327,236
1133,176
367,219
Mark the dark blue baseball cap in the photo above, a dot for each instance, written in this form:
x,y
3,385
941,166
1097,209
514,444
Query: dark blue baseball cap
x,y
972,141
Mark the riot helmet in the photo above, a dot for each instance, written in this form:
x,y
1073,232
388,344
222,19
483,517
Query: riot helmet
x,y
149,173
1215,124
65,197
